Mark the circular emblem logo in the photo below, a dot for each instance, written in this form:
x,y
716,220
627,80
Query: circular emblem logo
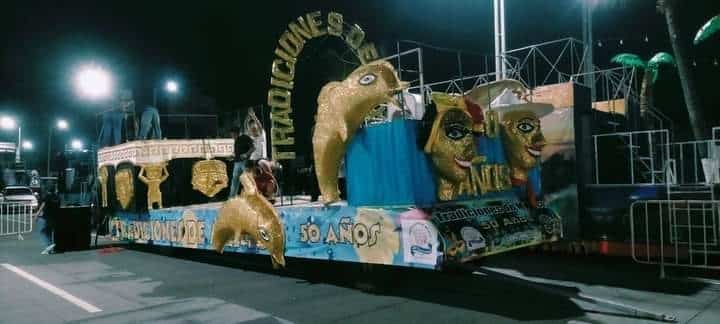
x,y
420,239
472,238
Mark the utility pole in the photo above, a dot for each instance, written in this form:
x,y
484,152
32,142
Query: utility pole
x,y
19,145
589,45
499,24
49,147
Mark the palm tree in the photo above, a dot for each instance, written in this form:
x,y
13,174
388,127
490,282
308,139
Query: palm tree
x,y
651,69
669,8
711,27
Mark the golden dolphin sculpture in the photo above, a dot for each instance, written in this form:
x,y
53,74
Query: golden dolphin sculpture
x,y
250,214
342,107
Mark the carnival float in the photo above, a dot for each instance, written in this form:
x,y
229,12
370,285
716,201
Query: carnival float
x,y
462,182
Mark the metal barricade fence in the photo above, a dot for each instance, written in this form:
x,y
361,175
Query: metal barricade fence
x,y
680,233
16,219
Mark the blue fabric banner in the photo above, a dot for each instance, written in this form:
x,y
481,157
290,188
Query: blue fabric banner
x,y
386,167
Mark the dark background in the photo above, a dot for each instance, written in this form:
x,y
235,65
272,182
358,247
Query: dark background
x,y
221,51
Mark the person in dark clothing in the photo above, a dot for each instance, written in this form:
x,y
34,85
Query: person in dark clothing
x,y
242,150
46,215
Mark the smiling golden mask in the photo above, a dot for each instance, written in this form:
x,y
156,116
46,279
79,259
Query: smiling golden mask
x,y
451,146
523,141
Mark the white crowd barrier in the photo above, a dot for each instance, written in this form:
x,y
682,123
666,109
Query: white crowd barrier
x,y
16,219
679,233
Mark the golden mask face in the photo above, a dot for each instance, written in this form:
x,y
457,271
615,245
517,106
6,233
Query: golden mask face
x,y
454,149
209,177
124,187
523,139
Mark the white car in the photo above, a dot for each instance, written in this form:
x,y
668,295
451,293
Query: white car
x,y
19,194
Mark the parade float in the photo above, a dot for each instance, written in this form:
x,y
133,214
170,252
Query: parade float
x,y
463,182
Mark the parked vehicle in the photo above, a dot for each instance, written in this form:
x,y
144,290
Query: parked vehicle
x,y
19,194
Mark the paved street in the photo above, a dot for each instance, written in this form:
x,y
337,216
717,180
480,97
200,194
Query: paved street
x,y
130,284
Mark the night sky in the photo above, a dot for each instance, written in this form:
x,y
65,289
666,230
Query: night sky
x,y
223,49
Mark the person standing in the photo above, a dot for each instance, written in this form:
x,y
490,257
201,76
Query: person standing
x,y
46,214
150,124
257,134
243,148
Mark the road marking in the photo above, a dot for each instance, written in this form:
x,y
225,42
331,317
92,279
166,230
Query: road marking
x,y
55,290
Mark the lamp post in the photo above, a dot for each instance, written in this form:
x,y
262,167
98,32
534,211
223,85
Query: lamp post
x,y
9,123
61,124
587,8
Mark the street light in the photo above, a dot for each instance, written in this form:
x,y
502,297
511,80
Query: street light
x,y
171,86
7,122
27,145
61,124
93,82
76,144
10,123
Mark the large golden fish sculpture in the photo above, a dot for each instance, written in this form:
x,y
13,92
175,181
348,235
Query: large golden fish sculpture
x,y
342,107
252,215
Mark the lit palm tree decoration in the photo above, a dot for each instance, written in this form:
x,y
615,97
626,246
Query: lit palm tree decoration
x,y
710,28
651,68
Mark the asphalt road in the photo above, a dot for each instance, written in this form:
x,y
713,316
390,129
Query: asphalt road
x,y
130,284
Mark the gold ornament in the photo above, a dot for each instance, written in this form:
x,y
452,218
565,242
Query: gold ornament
x,y
153,174
192,230
103,179
342,107
452,147
209,177
374,236
250,214
455,247
124,186
523,141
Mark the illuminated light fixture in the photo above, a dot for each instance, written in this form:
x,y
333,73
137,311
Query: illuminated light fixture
x,y
93,82
76,144
7,123
62,124
171,86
